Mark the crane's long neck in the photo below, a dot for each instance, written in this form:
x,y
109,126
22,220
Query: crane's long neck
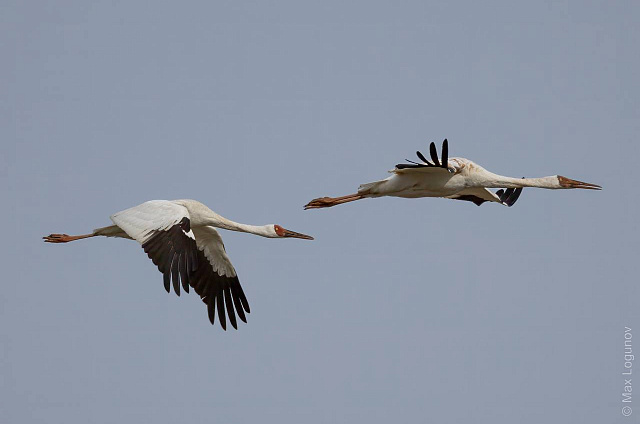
x,y
491,180
483,178
221,222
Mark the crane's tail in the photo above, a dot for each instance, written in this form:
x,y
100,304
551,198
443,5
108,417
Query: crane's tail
x,y
327,202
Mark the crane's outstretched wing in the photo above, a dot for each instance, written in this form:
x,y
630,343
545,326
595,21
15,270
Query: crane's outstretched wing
x,y
217,283
163,228
442,163
480,195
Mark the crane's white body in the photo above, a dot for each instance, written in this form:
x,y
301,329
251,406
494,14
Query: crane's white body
x,y
142,221
162,214
462,175
452,178
180,237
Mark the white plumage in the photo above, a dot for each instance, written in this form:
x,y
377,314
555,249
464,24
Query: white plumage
x,y
451,178
140,221
180,238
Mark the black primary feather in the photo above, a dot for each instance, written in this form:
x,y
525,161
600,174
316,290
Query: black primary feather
x,y
211,309
506,194
221,317
178,258
471,198
184,276
434,156
167,281
434,153
423,159
175,273
513,197
238,305
409,166
229,303
445,154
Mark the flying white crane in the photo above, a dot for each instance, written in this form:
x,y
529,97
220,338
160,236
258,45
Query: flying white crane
x,y
451,178
180,238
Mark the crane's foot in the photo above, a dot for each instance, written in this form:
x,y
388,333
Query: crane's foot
x,y
327,202
64,238
320,202
57,238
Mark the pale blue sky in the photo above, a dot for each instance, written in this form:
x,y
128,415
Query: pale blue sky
x,y
401,310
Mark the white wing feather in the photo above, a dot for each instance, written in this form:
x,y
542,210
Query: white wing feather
x,y
480,192
140,221
210,243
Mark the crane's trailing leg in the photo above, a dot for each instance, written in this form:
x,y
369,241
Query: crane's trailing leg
x,y
65,238
327,202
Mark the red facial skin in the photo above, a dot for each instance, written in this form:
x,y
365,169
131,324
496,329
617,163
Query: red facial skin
x,y
283,232
279,230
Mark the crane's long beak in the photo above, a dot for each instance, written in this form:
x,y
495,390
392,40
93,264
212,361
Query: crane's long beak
x,y
569,183
293,234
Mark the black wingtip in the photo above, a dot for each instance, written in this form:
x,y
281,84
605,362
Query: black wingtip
x,y
236,293
409,166
175,273
230,310
445,154
444,163
167,281
514,197
422,158
221,316
434,153
509,196
211,311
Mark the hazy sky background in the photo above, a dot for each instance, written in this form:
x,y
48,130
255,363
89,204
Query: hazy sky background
x,y
401,310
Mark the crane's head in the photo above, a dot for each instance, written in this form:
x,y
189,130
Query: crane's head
x,y
565,182
283,233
